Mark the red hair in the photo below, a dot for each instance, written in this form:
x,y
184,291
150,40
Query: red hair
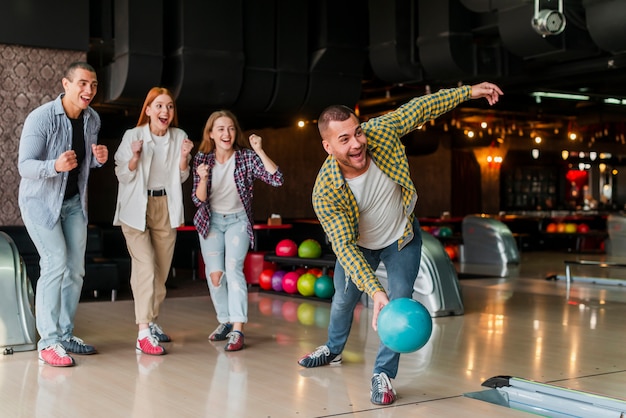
x,y
153,94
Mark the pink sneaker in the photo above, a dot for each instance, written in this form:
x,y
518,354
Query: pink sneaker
x,y
150,345
55,355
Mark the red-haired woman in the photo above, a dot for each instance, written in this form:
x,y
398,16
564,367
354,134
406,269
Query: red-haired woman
x,y
151,164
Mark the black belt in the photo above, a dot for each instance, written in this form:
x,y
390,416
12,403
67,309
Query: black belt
x,y
156,193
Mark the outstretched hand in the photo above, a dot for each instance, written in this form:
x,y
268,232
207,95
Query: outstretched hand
x,y
489,91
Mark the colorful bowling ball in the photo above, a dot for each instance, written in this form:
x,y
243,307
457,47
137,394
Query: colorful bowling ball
x,y
404,325
301,271
265,279
551,228
315,271
309,248
445,231
290,282
570,228
324,287
306,284
582,228
451,251
286,248
277,280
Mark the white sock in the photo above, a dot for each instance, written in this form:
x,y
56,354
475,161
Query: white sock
x,y
144,333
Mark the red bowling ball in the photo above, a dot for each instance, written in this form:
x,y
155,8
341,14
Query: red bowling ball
x,y
286,248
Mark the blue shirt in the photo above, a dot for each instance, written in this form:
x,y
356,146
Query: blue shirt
x,y
47,133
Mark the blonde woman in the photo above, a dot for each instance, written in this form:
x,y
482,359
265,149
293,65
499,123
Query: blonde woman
x,y
224,170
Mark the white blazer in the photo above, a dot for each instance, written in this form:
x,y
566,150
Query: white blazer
x,y
132,193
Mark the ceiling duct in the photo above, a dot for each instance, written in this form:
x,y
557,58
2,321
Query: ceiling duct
x,y
605,22
336,58
445,40
138,54
259,73
204,63
479,6
291,64
394,56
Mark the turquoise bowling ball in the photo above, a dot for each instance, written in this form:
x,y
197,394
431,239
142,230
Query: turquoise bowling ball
x,y
404,325
324,287
306,284
445,231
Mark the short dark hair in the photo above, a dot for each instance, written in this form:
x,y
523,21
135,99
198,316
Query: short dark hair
x,y
334,113
69,73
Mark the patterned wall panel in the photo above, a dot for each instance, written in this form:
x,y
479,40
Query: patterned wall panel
x,y
29,77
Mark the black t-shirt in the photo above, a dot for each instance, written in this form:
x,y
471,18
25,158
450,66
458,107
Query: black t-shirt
x,y
78,145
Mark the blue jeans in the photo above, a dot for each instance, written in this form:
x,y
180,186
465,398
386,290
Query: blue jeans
x,y
62,264
224,250
402,268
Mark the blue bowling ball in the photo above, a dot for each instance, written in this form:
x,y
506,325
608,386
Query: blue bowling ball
x,y
404,325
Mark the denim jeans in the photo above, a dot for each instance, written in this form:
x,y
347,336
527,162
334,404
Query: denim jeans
x,y
62,265
402,268
225,249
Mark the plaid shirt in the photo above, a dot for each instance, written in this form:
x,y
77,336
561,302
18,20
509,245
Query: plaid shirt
x,y
248,167
333,201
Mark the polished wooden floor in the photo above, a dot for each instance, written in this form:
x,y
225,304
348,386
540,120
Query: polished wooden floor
x,y
521,325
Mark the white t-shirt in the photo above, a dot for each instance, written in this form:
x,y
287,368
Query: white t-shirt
x,y
379,199
159,177
224,197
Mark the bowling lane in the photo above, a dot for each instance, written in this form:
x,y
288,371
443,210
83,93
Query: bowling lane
x,y
518,326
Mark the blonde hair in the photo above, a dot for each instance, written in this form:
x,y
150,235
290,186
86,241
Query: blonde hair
x,y
208,144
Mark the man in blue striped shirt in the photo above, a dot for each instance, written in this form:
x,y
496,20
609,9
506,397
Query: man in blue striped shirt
x,y
364,199
58,147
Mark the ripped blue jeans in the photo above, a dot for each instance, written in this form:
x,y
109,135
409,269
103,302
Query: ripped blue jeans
x,y
224,250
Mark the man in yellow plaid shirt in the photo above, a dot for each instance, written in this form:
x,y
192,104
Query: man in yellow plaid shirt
x,y
364,199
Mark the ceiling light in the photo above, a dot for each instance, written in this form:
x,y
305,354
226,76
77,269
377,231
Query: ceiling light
x,y
548,22
611,100
535,153
550,95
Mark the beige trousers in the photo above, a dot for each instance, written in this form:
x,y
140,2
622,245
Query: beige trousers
x,y
151,253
